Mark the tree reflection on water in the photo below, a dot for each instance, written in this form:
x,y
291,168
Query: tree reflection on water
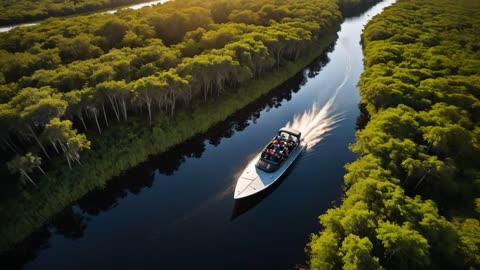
x,y
72,222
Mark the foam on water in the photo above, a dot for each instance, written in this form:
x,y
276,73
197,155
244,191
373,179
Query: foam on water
x,y
316,122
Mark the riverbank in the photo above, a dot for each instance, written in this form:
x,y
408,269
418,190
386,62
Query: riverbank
x,y
127,145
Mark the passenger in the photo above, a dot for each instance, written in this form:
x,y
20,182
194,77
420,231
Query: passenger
x,y
289,145
272,156
266,154
276,146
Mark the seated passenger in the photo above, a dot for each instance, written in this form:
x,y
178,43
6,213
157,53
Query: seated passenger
x,y
290,145
276,146
265,154
269,154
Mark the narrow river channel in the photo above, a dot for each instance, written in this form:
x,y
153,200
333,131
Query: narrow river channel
x,y
113,10
177,211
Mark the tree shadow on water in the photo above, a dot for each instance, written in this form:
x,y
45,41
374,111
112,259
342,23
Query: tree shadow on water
x,y
72,222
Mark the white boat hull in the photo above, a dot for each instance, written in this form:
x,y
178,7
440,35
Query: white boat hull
x,y
254,180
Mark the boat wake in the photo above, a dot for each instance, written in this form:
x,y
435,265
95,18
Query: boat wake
x,y
316,123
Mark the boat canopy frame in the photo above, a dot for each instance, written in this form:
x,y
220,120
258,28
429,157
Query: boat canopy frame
x,y
271,165
291,131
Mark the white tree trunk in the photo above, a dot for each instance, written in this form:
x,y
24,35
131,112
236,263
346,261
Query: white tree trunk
x,y
54,145
83,121
68,160
114,108
105,114
149,111
38,141
124,106
28,177
9,145
149,105
40,168
96,120
421,180
172,107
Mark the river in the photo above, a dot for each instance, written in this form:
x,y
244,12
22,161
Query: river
x,y
176,211
136,6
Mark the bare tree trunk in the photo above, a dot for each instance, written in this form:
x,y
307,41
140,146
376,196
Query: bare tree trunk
x,y
149,112
165,103
96,120
124,105
65,152
421,180
38,141
40,168
68,160
104,114
54,145
117,107
12,143
172,106
205,92
83,121
9,145
77,159
28,177
64,149
114,109
149,104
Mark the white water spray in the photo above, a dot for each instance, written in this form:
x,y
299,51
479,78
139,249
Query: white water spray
x,y
315,123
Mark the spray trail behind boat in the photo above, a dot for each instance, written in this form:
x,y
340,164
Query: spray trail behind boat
x,y
315,123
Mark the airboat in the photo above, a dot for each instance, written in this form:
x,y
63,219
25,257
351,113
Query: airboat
x,y
270,164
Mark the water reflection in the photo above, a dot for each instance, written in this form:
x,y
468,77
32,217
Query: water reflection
x,y
70,224
359,9
363,118
26,251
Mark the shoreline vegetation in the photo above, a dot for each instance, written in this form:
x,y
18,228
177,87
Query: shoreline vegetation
x,y
111,83
412,198
28,11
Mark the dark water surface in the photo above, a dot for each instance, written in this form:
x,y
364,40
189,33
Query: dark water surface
x,y
176,211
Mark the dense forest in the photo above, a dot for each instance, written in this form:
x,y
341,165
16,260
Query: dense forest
x,y
134,83
413,196
18,11
57,76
